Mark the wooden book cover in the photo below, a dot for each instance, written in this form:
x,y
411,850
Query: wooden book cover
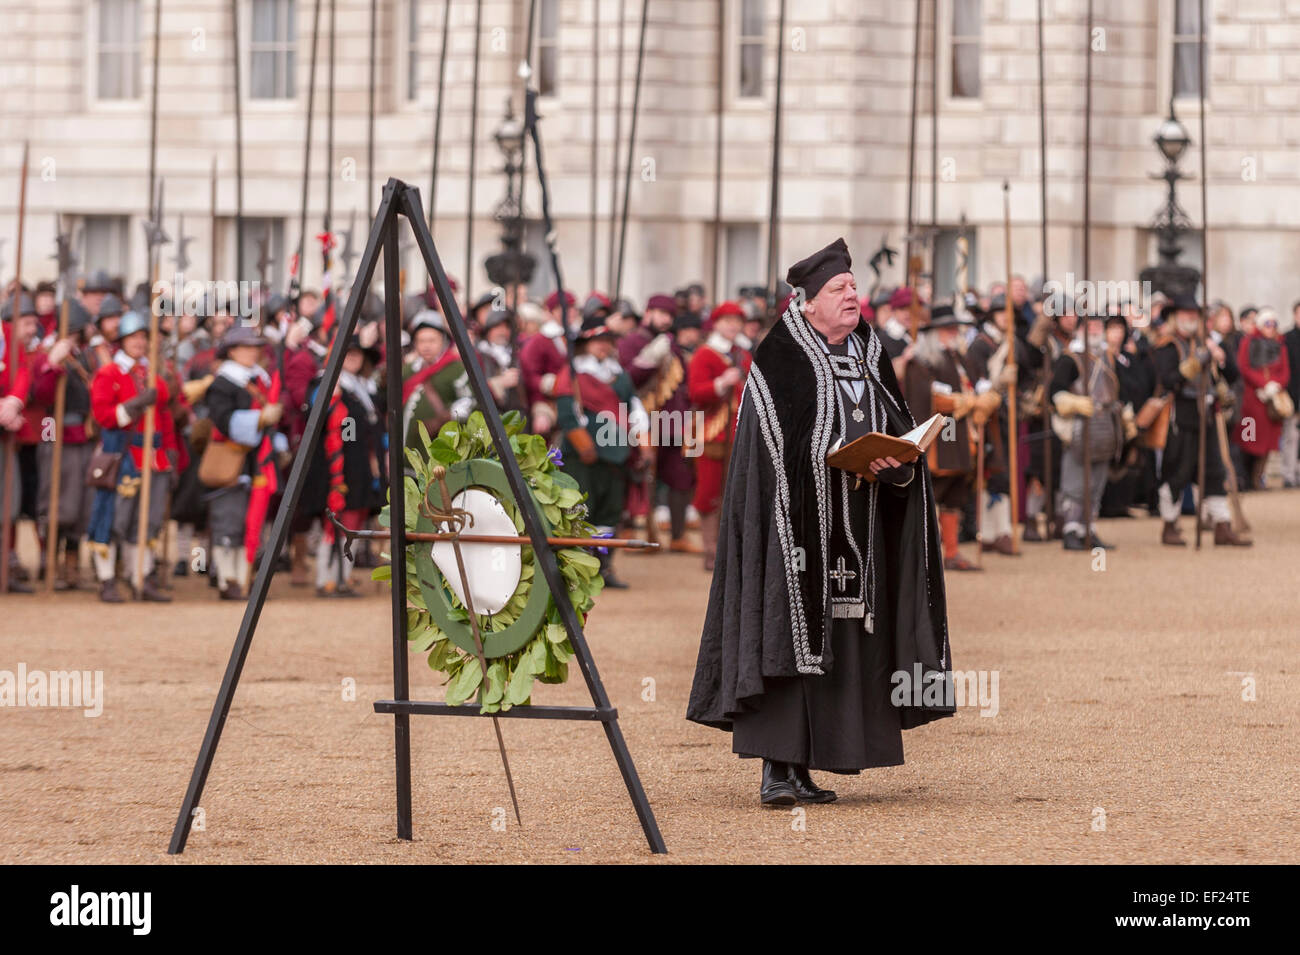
x,y
856,456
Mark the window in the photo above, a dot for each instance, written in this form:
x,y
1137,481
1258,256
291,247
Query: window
x,y
117,51
749,53
105,244
412,41
548,48
259,233
273,50
965,49
1186,39
743,266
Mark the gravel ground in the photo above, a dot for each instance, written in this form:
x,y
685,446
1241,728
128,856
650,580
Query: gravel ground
x,y
1121,733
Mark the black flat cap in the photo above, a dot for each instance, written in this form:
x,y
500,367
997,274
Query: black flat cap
x,y
812,273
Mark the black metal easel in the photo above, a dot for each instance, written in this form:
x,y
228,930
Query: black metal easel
x,y
402,200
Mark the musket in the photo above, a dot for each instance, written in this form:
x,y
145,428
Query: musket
x,y
11,359
349,534
1013,426
182,262
156,238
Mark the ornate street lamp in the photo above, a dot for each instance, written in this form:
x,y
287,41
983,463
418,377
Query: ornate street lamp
x,y
1171,222
511,266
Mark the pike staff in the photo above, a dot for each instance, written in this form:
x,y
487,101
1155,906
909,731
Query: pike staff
x,y
1087,266
12,356
156,239
1205,284
1013,426
66,282
1048,491
437,113
631,148
774,199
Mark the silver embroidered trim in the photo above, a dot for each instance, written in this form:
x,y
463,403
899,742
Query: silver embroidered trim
x,y
805,660
821,433
852,610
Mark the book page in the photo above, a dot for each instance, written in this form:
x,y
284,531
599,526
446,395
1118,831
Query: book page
x,y
917,433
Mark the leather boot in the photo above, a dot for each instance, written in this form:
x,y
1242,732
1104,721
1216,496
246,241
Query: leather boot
x,y
607,572
775,789
805,789
150,592
1031,532
1225,536
71,578
949,528
1001,545
298,561
109,593
1172,536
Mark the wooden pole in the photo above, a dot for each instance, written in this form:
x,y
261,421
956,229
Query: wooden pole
x,y
934,137
911,151
212,206
437,113
631,148
473,145
595,137
239,148
618,135
56,458
300,258
1049,495
1205,284
150,425
12,357
1087,272
774,197
370,106
719,293
1013,389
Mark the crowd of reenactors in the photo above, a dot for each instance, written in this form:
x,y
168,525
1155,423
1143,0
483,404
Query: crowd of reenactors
x,y
1103,428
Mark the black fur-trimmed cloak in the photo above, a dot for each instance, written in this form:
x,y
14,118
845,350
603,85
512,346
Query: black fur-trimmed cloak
x,y
770,608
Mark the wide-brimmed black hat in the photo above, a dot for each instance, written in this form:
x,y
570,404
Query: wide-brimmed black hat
x,y
593,326
944,316
240,334
1186,302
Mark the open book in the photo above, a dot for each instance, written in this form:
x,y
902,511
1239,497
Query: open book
x,y
856,456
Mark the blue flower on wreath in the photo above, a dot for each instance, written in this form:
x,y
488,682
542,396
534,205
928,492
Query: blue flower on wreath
x,y
605,536
556,457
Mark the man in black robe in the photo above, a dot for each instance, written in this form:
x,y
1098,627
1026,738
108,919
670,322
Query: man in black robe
x,y
826,632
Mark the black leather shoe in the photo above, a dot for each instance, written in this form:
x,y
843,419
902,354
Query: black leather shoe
x,y
1098,542
1074,541
776,789
805,789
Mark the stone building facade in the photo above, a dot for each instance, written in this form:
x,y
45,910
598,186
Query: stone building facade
x,y
77,77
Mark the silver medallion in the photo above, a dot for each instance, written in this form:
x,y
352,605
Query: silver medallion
x,y
857,414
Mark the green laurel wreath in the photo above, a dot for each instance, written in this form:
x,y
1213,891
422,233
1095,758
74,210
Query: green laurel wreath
x,y
545,657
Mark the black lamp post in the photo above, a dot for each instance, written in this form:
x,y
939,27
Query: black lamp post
x,y
1171,222
511,266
